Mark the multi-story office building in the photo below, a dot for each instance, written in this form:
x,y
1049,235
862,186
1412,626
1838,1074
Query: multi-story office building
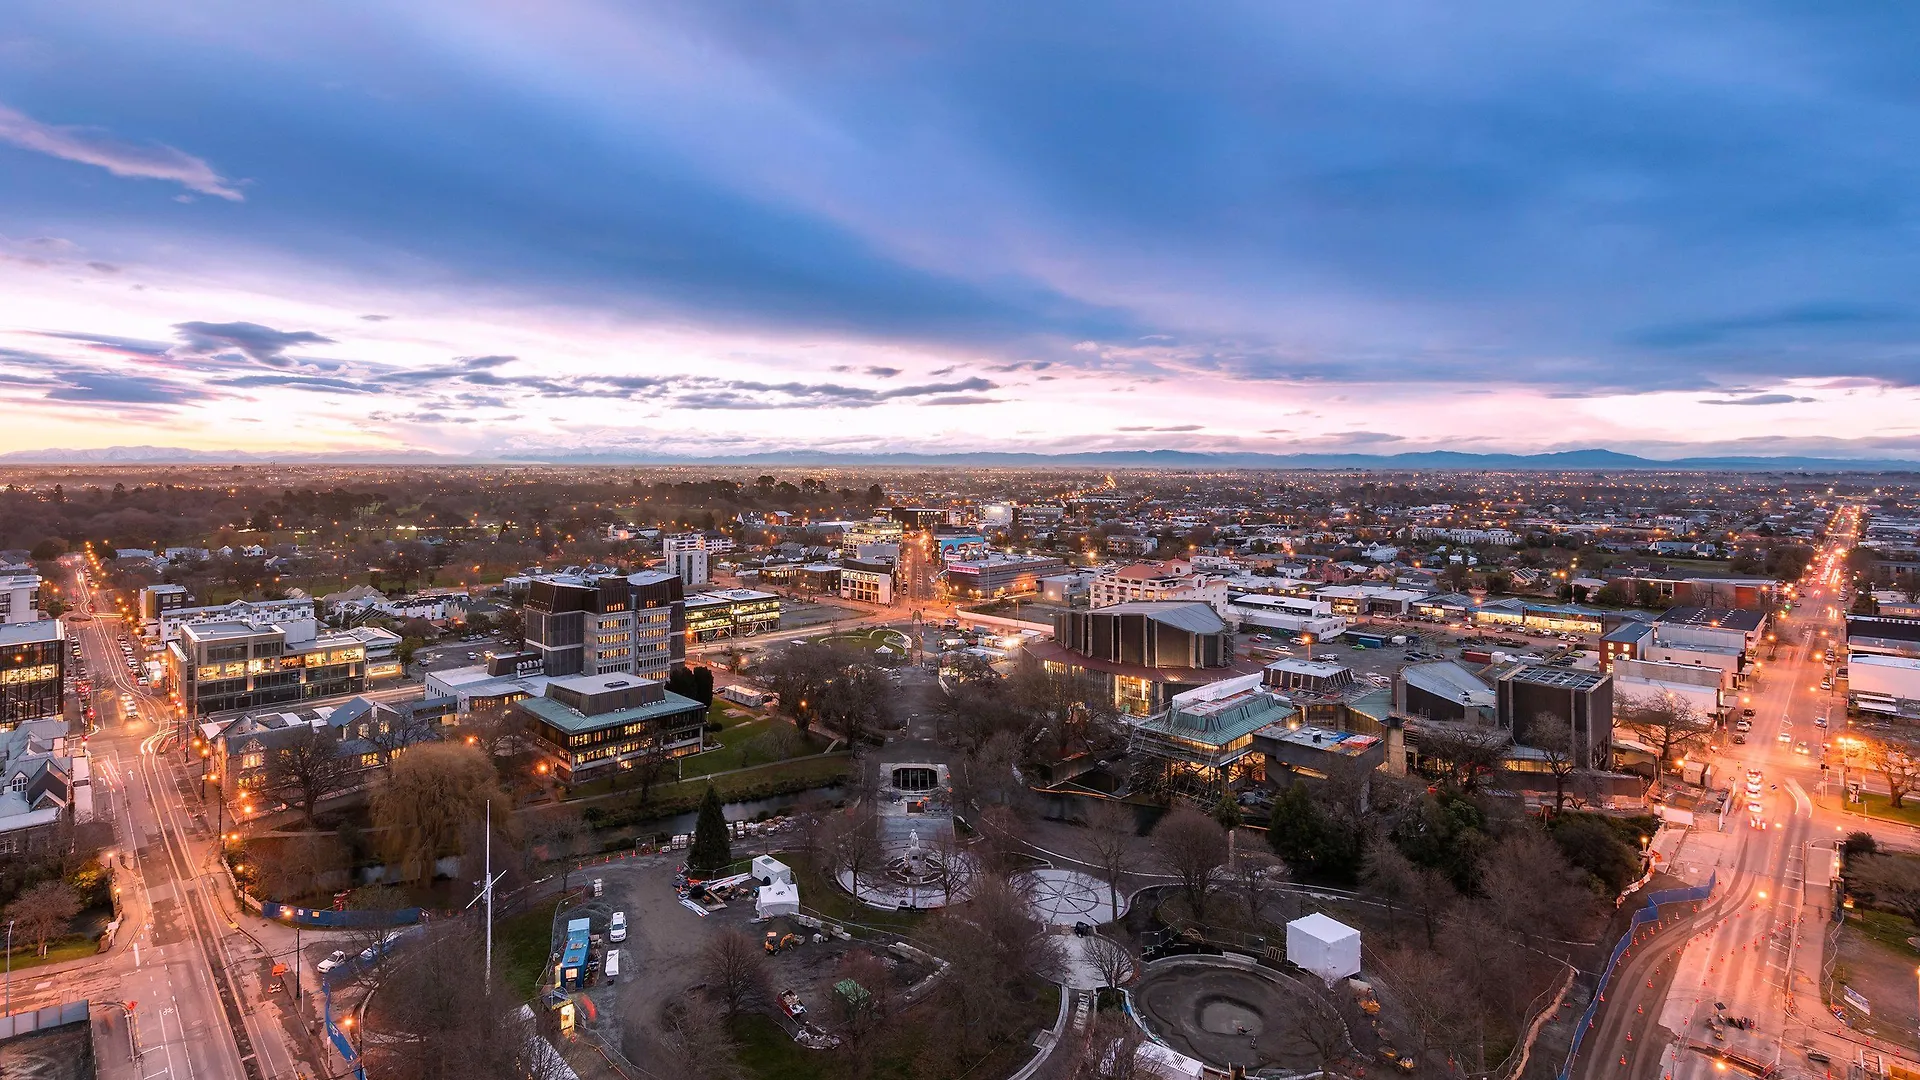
x,y
1001,575
612,623
686,556
589,725
19,597
218,666
728,613
869,582
920,517
33,658
158,599
1174,579
856,534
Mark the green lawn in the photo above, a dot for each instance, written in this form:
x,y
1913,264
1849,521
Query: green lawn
x,y
1884,928
755,740
525,942
59,951
1877,806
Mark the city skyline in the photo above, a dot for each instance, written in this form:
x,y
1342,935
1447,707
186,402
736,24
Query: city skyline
x,y
474,233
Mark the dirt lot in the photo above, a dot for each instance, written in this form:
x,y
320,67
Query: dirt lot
x,y
1873,957
661,956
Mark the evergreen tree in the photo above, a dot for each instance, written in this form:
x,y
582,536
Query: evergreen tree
x,y
711,852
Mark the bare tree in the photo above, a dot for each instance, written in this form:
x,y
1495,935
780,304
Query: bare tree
x,y
1192,846
734,966
1892,882
857,845
292,867
1441,1017
1895,761
1530,886
1113,845
1257,876
1466,755
1562,754
695,1044
1431,895
1389,875
1111,959
1320,1028
308,767
43,912
1668,724
438,1018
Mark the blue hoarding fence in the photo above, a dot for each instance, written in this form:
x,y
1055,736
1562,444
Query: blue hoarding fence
x,y
1643,916
327,918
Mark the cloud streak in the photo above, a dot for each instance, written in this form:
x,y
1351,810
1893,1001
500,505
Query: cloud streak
x,y
88,146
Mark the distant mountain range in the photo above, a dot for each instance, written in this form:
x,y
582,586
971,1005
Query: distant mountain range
x,y
1596,459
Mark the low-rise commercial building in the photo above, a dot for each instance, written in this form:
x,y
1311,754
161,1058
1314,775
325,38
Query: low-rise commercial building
x,y
366,735
731,613
592,725
1174,579
867,582
1443,690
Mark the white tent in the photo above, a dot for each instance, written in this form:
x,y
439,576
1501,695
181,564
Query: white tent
x,y
780,898
771,871
1327,947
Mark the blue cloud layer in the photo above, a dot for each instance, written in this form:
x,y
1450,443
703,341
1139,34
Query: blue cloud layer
x,y
1589,199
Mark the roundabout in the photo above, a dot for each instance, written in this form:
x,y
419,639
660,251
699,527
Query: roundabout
x,y
1221,1013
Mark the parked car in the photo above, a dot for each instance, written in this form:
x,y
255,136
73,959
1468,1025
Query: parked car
x,y
338,957
617,927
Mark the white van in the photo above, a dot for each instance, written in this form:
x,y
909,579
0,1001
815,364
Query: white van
x,y
617,927
613,964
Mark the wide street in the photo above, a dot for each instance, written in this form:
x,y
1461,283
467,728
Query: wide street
x,y
1753,949
190,976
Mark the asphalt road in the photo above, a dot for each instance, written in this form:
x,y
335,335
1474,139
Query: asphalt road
x,y
1757,936
180,964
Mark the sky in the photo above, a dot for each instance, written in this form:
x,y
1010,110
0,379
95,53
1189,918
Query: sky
x,y
495,229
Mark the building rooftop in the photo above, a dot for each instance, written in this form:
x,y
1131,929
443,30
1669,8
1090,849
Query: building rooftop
x,y
1628,632
1743,620
32,633
572,721
1565,678
1193,616
599,684
1326,740
729,596
1319,669
220,631
1444,678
